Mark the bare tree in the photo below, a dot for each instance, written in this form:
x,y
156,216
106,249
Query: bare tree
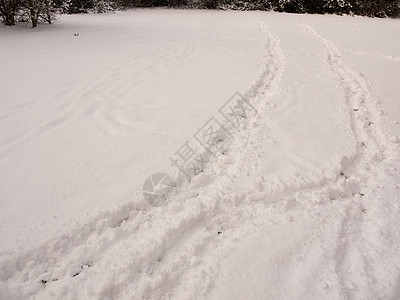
x,y
39,10
9,10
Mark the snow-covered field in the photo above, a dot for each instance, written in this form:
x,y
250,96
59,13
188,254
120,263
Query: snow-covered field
x,y
299,201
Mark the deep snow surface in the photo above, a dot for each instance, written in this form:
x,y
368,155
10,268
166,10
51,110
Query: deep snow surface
x,y
300,202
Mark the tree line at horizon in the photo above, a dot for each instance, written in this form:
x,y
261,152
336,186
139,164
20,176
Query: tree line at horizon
x,y
46,11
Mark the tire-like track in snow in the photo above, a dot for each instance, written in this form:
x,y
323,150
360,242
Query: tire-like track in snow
x,y
347,220
372,169
146,252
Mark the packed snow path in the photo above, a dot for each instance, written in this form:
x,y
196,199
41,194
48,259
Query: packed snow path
x,y
300,203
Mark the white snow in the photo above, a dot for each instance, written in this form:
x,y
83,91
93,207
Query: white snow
x,y
300,202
